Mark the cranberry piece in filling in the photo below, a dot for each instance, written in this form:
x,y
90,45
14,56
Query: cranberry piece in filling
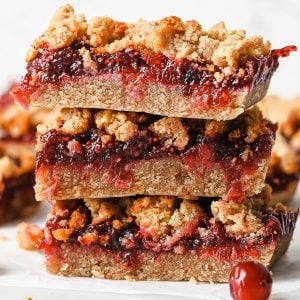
x,y
250,280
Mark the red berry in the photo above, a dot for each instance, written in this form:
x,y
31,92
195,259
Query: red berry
x,y
250,280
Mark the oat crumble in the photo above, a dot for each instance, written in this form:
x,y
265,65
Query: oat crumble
x,y
171,36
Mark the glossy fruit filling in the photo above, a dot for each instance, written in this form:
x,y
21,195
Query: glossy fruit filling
x,y
138,68
203,233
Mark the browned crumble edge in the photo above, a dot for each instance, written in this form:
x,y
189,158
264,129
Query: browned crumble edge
x,y
119,153
171,36
163,237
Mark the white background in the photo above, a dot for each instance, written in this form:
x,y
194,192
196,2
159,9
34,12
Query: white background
x,y
278,21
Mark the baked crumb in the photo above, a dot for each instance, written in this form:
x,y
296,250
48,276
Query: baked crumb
x,y
75,120
29,235
153,214
171,36
188,211
102,209
64,28
88,63
129,278
172,131
118,124
193,280
239,218
213,128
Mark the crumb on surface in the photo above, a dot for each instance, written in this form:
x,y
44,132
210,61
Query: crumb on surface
x,y
29,235
172,131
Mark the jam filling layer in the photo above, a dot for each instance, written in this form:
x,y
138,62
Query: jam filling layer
x,y
232,150
202,233
137,67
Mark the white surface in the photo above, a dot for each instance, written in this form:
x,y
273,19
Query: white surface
x,y
278,21
22,274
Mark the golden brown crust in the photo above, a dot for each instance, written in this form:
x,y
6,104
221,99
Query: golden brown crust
x,y
151,177
88,261
170,36
105,92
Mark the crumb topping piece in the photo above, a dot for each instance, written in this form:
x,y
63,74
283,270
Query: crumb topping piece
x,y
239,218
172,130
153,214
171,36
75,120
29,235
120,124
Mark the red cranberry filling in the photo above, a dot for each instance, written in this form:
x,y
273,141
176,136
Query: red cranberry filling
x,y
138,66
131,237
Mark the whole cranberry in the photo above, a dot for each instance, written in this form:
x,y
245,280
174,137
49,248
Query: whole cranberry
x,y
250,280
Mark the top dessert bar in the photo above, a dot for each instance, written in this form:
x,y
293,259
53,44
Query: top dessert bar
x,y
166,67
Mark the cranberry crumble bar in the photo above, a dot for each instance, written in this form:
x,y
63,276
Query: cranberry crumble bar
x,y
167,67
103,153
155,167
163,237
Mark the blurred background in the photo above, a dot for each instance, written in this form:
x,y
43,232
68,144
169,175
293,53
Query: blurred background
x,y
278,21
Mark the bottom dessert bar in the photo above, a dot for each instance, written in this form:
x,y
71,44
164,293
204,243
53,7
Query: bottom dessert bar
x,y
164,238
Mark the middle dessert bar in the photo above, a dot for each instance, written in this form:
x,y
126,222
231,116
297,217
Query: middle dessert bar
x,y
101,153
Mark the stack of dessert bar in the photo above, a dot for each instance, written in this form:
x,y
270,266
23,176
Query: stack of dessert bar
x,y
155,168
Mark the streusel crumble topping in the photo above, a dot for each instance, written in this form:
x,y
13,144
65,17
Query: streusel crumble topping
x,y
170,36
